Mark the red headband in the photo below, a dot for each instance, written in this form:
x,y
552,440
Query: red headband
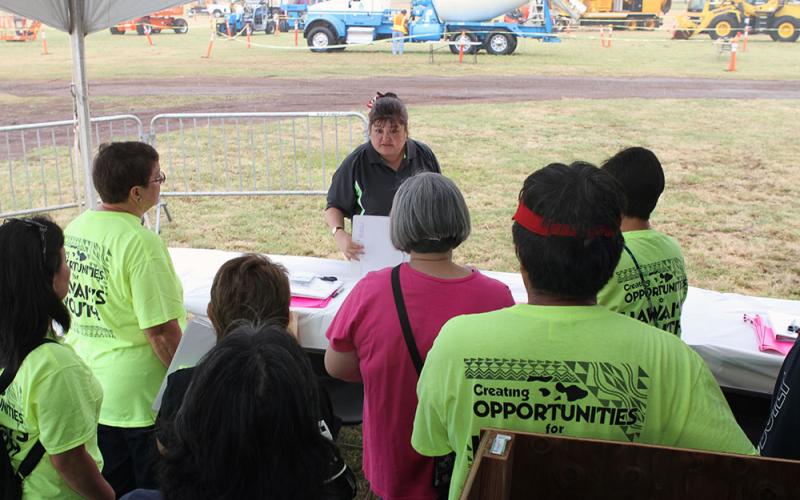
x,y
535,224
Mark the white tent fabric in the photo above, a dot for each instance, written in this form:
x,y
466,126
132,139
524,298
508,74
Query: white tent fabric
x,y
98,14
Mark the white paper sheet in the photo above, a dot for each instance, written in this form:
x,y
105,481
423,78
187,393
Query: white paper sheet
x,y
196,341
781,322
316,288
372,231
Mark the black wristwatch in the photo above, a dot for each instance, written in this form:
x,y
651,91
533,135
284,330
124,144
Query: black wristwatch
x,y
334,229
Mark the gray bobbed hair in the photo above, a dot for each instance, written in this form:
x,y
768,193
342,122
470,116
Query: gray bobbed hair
x,y
428,215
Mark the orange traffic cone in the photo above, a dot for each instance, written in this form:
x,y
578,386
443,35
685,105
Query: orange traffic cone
x,y
734,46
746,32
147,30
210,45
461,47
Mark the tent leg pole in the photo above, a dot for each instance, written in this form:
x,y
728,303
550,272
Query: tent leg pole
x,y
80,90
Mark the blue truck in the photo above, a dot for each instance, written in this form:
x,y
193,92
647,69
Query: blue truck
x,y
331,26
259,16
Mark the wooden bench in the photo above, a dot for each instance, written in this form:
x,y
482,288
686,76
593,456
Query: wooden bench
x,y
545,466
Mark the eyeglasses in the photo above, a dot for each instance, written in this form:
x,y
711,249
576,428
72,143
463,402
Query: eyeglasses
x,y
37,225
160,179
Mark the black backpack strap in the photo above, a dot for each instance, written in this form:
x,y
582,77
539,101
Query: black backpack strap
x,y
37,452
404,324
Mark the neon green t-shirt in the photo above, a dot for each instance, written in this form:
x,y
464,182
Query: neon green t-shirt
x,y
577,371
661,262
54,398
122,282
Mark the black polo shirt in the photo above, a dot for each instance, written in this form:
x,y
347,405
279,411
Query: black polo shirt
x,y
365,185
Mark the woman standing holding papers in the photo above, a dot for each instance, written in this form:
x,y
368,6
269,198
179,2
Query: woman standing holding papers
x,y
366,181
429,219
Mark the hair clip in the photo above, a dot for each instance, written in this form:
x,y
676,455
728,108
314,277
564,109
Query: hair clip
x,y
379,95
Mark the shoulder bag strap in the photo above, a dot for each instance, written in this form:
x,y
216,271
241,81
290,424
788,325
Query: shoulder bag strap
x,y
6,378
645,290
33,457
404,324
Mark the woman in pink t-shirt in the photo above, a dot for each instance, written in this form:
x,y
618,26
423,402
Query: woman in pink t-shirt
x,y
429,218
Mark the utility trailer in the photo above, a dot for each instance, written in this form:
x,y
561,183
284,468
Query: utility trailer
x,y
331,26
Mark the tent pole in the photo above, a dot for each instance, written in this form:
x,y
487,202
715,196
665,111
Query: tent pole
x,y
80,90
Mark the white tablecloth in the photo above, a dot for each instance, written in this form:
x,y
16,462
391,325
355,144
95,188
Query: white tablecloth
x,y
711,321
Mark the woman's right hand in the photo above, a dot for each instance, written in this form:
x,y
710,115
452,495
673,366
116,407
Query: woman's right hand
x,y
349,248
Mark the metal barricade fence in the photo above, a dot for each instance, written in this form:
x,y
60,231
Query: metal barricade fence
x,y
252,154
37,167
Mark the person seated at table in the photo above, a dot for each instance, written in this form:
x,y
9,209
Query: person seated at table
x,y
429,219
781,436
649,283
561,364
246,288
248,427
365,182
49,399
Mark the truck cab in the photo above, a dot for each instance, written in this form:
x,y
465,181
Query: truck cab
x,y
330,25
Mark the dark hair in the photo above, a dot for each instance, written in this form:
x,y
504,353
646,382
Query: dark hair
x,y
388,108
119,166
639,173
250,288
28,303
585,198
248,426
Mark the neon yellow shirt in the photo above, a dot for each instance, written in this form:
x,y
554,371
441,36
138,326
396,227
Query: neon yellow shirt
x,y
54,398
577,371
122,282
661,262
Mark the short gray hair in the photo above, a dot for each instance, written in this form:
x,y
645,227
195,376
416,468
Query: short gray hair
x,y
428,215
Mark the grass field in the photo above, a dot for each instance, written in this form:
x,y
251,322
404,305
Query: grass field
x,y
632,54
731,165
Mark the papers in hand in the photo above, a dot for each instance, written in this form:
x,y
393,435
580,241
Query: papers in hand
x,y
372,231
196,341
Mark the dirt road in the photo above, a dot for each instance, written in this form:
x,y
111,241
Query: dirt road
x,y
274,94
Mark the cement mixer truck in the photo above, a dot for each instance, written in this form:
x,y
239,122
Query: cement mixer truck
x,y
332,25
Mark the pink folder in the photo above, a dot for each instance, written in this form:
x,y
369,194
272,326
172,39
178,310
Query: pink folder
x,y
766,336
309,302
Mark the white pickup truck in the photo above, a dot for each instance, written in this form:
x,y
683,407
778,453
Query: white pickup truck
x,y
218,9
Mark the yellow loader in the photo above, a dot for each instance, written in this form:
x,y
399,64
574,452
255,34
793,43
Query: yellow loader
x,y
780,19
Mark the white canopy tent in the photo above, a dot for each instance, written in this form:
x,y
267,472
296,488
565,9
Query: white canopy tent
x,y
79,18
